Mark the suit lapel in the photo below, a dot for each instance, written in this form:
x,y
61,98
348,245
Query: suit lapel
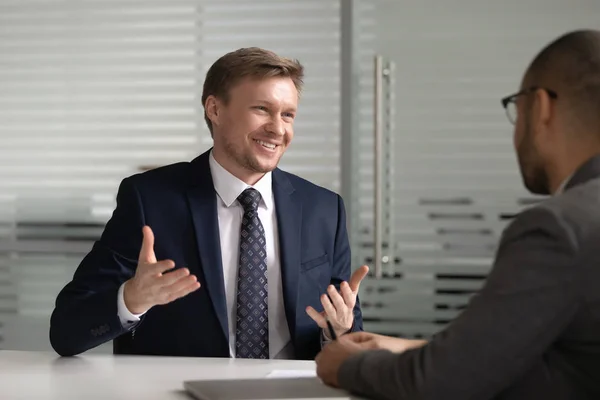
x,y
203,207
289,222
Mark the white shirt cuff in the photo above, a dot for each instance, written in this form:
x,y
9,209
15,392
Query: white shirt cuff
x,y
127,318
325,339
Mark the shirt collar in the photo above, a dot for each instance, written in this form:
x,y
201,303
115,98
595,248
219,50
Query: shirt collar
x,y
561,188
229,187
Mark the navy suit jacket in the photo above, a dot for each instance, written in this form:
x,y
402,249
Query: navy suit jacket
x,y
179,203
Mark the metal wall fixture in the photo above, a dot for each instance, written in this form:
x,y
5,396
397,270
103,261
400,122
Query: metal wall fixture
x,y
383,168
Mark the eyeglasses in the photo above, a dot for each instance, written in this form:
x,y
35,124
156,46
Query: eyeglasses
x,y
510,105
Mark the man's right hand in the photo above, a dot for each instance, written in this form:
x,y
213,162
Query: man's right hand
x,y
373,341
151,286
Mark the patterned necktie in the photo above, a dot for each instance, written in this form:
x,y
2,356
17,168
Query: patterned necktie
x,y
252,329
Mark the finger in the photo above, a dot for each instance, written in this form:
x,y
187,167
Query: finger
x,y
350,343
328,307
348,295
346,341
316,316
147,250
359,337
160,267
357,277
171,277
356,337
180,284
336,299
185,291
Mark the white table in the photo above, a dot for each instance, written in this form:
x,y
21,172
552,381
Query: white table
x,y
41,375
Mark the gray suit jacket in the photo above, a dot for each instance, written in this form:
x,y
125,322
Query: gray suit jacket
x,y
532,332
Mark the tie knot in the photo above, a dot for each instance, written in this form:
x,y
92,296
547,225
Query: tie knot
x,y
249,199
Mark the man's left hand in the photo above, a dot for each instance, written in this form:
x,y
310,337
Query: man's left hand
x,y
331,358
339,307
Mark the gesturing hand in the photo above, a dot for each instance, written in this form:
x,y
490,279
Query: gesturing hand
x,y
150,285
340,309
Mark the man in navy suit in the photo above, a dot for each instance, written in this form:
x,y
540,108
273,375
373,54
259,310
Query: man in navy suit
x,y
226,255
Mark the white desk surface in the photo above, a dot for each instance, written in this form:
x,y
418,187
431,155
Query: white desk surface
x,y
40,375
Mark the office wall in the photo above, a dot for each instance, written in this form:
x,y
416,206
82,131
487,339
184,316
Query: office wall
x,y
94,91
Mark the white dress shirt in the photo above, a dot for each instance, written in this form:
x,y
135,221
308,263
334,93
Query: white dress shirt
x,y
230,213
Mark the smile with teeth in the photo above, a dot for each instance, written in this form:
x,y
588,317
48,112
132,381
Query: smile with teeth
x,y
265,144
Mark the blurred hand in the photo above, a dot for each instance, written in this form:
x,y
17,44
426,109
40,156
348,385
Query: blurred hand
x,y
332,356
340,309
372,341
150,285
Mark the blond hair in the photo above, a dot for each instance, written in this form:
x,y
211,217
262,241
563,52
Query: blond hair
x,y
250,62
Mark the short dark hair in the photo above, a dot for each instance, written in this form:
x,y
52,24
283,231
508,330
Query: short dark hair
x,y
570,65
250,62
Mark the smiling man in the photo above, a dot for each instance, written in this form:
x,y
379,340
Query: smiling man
x,y
226,255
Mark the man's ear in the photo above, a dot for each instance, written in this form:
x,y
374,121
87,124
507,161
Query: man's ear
x,y
212,107
542,110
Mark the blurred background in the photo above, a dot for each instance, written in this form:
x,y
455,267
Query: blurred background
x,y
401,115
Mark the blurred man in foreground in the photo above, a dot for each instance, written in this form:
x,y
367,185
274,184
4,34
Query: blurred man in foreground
x,y
533,331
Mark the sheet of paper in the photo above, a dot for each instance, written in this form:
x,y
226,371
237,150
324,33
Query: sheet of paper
x,y
292,373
